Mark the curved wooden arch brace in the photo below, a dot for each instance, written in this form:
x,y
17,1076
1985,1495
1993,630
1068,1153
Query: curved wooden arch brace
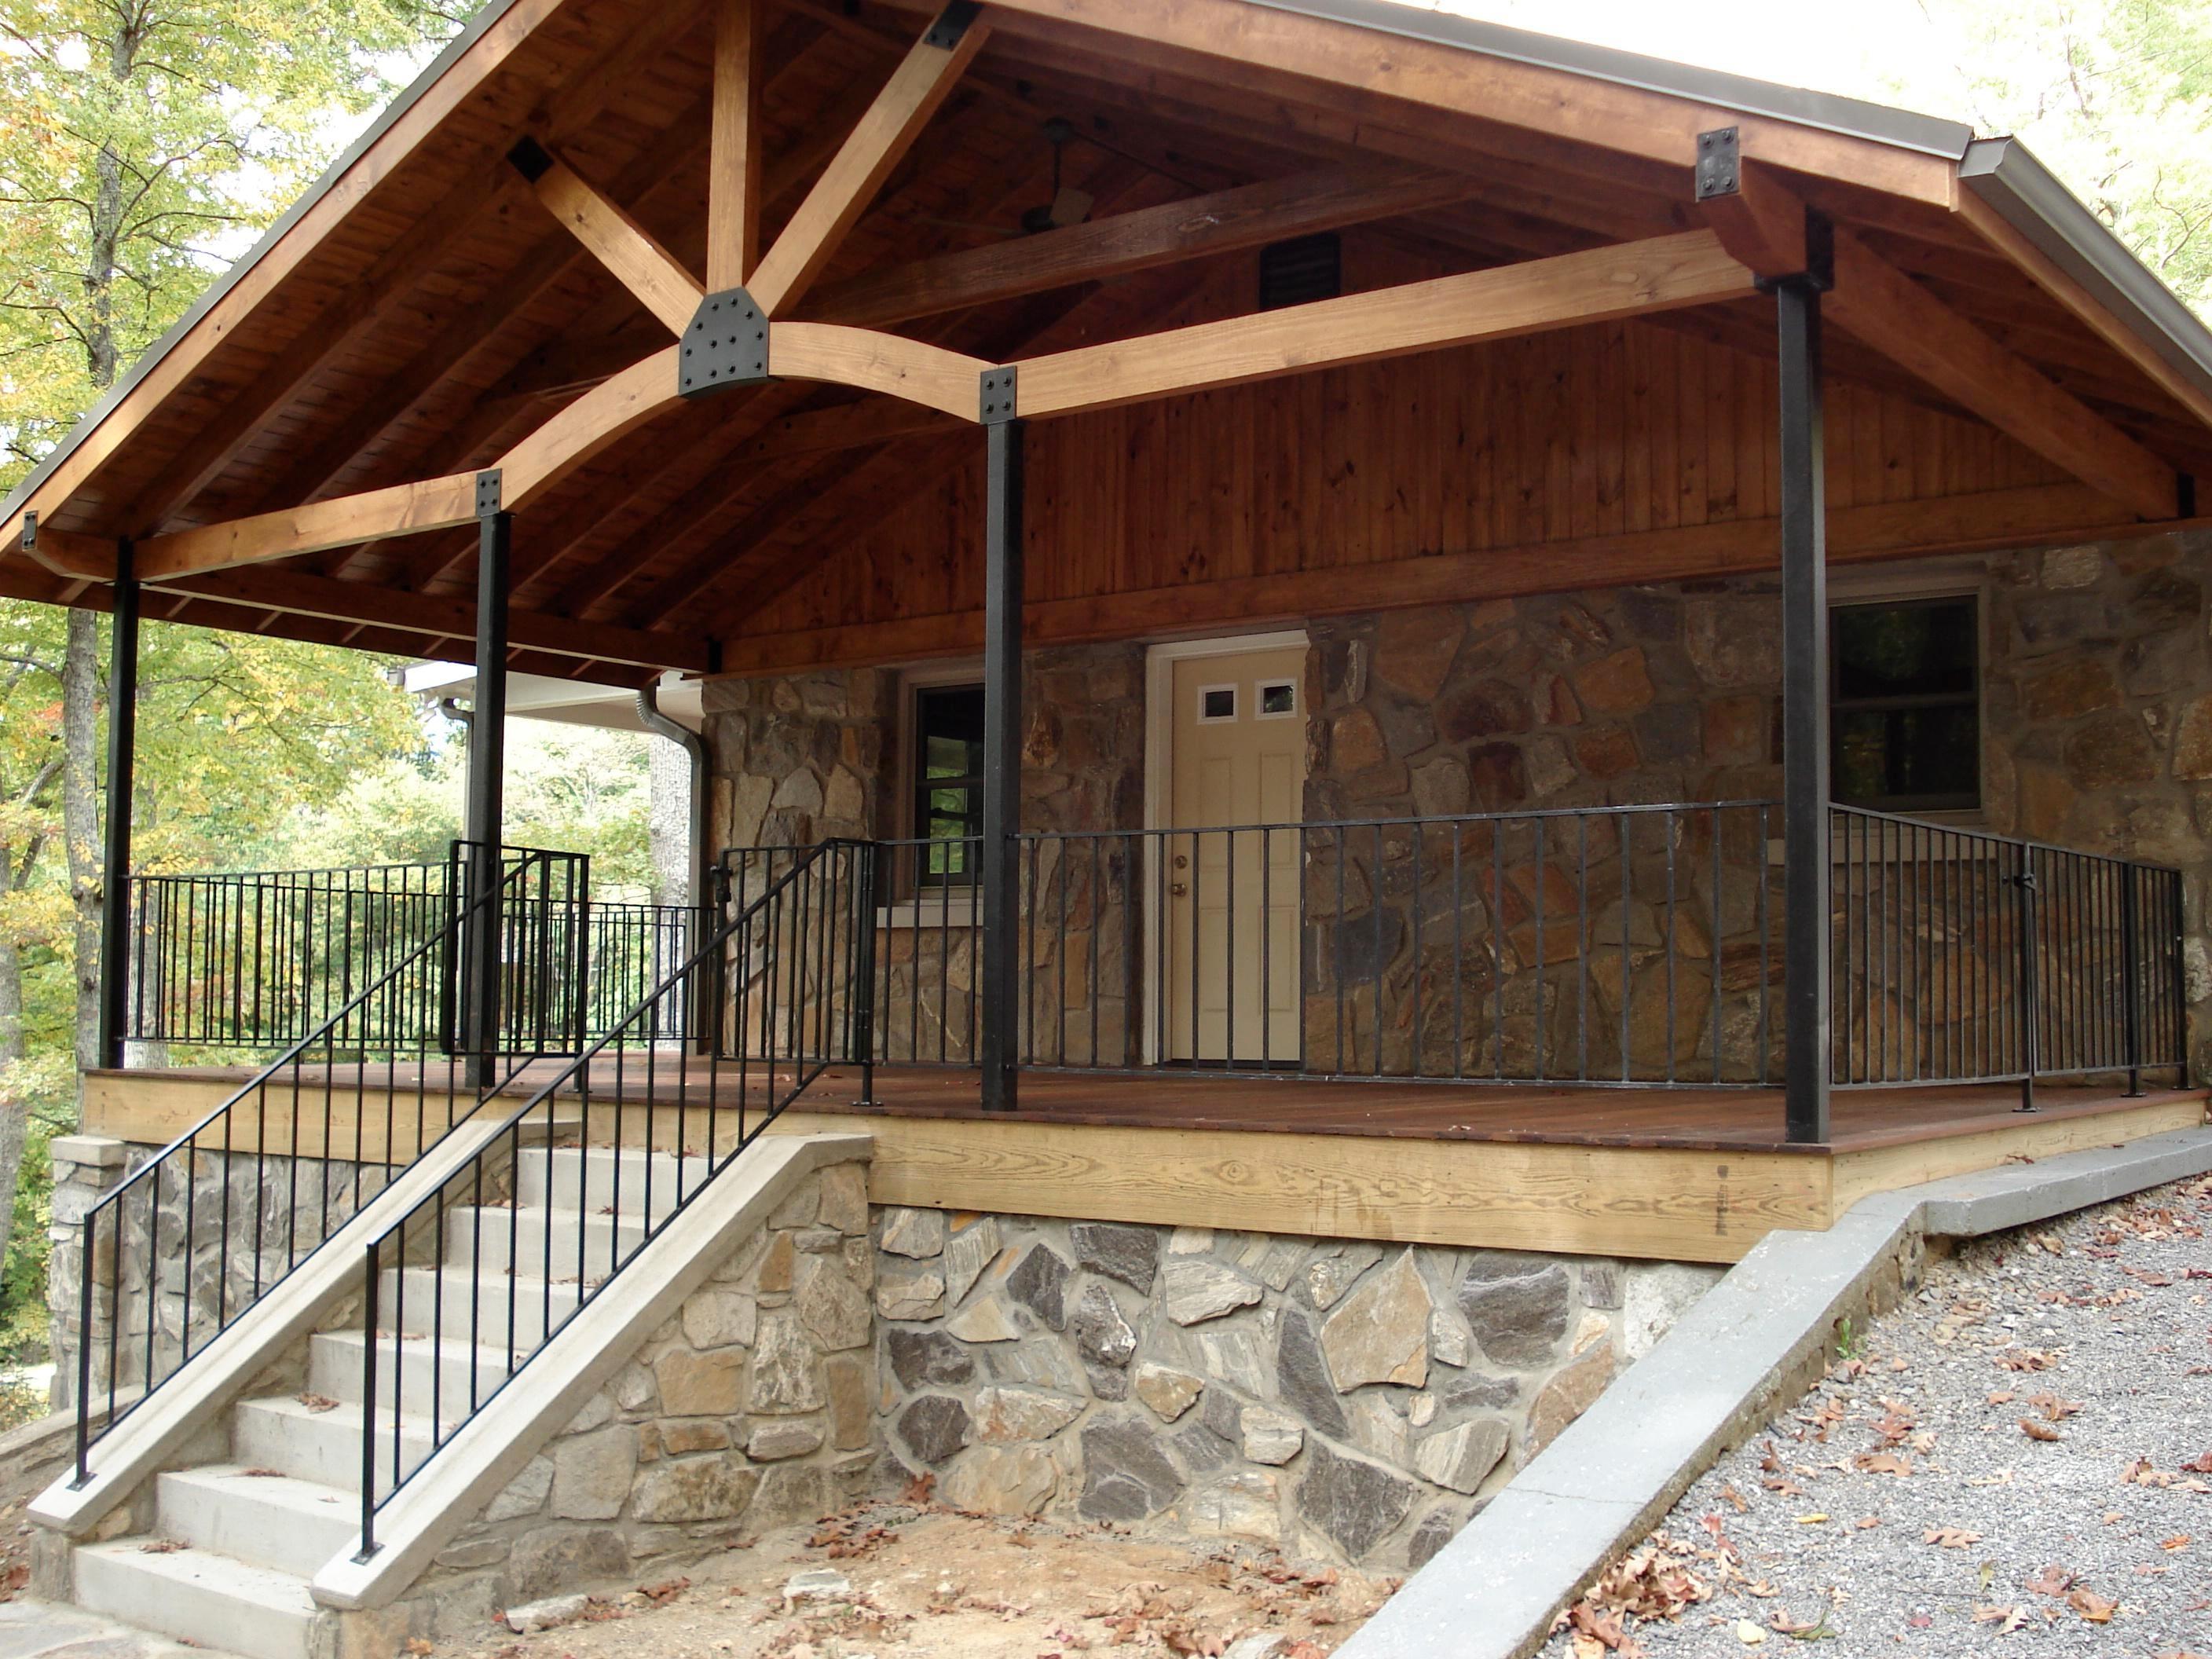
x,y
890,363
586,426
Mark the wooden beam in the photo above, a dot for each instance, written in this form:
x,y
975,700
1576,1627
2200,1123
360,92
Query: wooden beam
x,y
586,427
2038,516
295,593
1761,223
917,86
626,248
733,173
70,553
267,268
1247,217
1630,280
1882,306
402,510
889,363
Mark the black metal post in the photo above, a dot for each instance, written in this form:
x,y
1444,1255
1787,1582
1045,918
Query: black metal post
x,y
2131,971
2027,989
122,763
863,1001
1000,864
1808,1011
480,930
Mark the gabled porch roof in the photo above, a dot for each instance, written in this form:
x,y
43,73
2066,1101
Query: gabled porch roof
x,y
431,310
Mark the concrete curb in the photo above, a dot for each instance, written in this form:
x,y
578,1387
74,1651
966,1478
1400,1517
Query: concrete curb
x,y
1757,1340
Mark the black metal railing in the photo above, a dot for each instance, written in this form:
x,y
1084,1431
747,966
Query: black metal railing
x,y
1964,957
1604,944
198,1234
782,979
255,960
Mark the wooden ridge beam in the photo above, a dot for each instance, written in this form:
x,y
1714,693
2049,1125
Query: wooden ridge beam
x,y
445,617
1887,310
920,82
2040,516
1247,217
628,250
1631,279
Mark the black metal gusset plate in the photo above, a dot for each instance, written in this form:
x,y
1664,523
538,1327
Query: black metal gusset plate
x,y
952,25
725,345
490,497
1720,163
996,397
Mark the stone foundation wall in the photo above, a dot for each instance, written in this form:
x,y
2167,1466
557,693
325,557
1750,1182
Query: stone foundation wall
x,y
751,1409
1346,1401
276,1212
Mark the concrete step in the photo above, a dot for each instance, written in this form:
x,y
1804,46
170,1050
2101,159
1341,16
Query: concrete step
x,y
270,1521
590,1179
324,1447
421,1299
198,1596
542,1243
444,1380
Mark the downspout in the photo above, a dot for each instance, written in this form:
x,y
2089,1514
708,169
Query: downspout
x,y
661,725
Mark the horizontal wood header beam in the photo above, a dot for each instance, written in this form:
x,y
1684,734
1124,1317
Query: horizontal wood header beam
x,y
1632,279
2011,519
344,521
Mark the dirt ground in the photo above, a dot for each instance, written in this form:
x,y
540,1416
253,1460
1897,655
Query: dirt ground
x,y
925,1580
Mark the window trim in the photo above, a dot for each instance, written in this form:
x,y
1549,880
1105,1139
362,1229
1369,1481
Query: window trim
x,y
1924,582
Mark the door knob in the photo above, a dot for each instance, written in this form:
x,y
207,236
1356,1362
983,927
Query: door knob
x,y
1179,891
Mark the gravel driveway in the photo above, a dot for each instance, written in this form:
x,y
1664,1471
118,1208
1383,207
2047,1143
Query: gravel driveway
x,y
2016,1462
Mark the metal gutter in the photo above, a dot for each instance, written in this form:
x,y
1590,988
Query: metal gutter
x,y
2004,174
478,25
1849,117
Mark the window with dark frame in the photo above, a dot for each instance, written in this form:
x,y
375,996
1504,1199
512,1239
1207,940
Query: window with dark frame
x,y
948,783
1906,705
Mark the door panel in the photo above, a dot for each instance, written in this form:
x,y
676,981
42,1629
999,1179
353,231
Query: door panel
x,y
1237,786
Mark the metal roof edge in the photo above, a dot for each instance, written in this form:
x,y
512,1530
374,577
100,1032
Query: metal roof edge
x,y
479,24
2006,175
1829,113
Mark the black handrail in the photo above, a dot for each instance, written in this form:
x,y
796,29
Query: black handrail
x,y
157,1217
1961,955
773,980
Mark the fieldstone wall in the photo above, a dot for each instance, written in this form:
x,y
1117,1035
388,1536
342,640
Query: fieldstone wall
x,y
1344,1400
751,1409
273,1214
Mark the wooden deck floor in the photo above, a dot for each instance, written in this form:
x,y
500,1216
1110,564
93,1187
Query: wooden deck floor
x,y
1682,1174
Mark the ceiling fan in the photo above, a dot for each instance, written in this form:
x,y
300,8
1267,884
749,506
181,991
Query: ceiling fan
x,y
1067,205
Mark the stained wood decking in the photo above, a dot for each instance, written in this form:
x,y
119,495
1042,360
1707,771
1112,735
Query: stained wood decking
x,y
1689,1175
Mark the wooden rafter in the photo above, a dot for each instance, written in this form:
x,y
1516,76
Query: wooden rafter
x,y
733,173
921,82
300,593
629,252
1630,280
1218,222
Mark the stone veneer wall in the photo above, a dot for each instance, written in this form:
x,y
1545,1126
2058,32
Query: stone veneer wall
x,y
295,1202
750,1409
1343,1400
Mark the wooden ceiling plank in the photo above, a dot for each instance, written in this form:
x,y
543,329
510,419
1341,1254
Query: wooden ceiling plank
x,y
916,87
636,258
1629,280
734,181
1887,310
1247,217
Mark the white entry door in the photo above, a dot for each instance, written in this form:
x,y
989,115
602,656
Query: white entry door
x,y
1238,740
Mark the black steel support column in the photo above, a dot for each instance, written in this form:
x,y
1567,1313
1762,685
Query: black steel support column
x,y
480,932
1808,1005
122,765
1000,870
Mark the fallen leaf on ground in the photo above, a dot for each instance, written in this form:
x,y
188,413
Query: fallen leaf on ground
x,y
1881,1463
1817,1518
2091,1605
1867,1523
2035,1430
2052,1581
2178,1542
2007,1620
1749,1633
1950,1538
318,1402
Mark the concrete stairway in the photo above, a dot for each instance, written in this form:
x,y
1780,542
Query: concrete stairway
x,y
234,1544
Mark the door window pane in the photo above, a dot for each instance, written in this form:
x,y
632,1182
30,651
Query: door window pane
x,y
1906,704
949,780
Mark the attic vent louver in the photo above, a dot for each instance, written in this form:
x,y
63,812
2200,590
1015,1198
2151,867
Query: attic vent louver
x,y
1301,269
